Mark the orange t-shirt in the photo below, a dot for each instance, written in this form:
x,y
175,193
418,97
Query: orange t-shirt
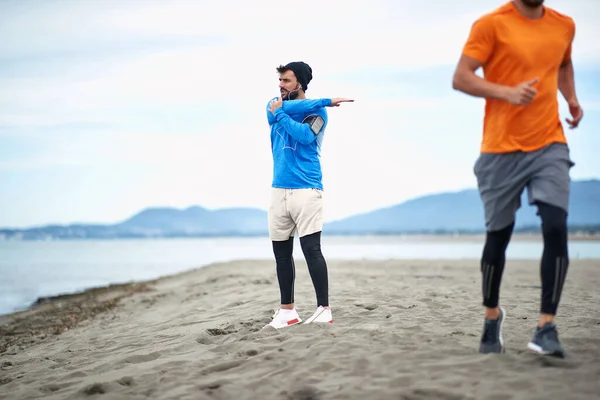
x,y
514,49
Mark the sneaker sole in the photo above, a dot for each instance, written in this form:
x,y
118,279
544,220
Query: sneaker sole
x,y
311,320
501,325
295,321
538,350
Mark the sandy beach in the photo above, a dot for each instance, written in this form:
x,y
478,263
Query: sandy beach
x,y
402,330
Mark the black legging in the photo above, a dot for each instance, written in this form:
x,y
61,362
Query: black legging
x,y
286,270
554,264
317,267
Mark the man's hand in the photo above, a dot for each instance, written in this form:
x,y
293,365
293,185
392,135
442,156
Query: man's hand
x,y
522,94
576,113
336,101
275,104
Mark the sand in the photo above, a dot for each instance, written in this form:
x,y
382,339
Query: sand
x,y
402,330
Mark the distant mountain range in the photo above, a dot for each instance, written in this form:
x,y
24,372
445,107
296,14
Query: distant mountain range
x,y
450,212
463,212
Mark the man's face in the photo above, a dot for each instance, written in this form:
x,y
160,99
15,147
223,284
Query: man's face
x,y
533,3
288,85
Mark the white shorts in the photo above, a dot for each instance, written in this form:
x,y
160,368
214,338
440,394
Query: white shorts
x,y
294,210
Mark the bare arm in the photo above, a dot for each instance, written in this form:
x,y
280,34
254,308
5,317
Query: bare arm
x,y
465,80
566,85
566,82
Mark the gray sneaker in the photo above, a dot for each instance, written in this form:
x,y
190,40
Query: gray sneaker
x,y
545,341
491,339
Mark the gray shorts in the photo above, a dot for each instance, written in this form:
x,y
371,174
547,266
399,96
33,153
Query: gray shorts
x,y
501,179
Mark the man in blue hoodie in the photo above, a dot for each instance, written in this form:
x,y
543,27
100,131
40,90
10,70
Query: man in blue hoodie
x,y
297,128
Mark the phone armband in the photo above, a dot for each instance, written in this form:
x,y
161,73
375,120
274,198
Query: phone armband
x,y
315,122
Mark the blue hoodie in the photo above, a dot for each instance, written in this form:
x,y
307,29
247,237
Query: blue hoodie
x,y
296,149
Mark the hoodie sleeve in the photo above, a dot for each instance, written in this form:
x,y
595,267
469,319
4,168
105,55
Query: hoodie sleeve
x,y
303,132
270,116
304,106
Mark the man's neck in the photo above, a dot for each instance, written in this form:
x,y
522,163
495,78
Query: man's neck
x,y
529,12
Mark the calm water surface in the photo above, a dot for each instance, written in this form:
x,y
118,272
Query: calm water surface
x,y
29,270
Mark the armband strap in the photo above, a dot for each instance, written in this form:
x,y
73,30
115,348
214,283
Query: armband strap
x,y
315,122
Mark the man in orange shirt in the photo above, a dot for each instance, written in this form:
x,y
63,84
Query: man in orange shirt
x,y
524,49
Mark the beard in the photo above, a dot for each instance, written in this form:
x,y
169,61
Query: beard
x,y
532,3
290,95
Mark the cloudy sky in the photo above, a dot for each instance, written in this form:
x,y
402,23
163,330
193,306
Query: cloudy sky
x,y
108,107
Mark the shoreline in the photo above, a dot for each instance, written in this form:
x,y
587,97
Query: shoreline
x,y
474,237
53,315
387,240
517,236
461,238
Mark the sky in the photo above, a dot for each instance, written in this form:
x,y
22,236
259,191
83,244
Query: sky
x,y
109,107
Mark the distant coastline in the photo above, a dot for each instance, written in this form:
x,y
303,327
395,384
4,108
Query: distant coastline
x,y
438,215
592,234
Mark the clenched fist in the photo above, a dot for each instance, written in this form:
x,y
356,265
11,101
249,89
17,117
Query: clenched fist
x,y
523,93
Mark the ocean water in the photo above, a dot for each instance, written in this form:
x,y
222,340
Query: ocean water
x,y
29,270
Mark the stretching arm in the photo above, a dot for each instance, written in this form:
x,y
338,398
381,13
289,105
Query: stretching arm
x,y
304,105
270,117
301,106
301,132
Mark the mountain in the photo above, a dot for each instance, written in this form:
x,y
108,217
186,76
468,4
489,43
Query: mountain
x,y
463,211
157,222
444,212
196,221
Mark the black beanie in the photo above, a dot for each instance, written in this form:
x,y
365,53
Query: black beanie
x,y
302,71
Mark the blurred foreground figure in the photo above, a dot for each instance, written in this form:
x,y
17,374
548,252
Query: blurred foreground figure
x,y
524,49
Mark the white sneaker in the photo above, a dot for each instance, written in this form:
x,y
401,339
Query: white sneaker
x,y
321,315
284,318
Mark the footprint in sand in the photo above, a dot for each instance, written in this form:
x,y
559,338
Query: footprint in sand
x,y
205,340
221,331
72,375
261,282
138,359
221,367
422,394
212,385
305,393
50,388
369,307
126,381
431,277
95,388
105,387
